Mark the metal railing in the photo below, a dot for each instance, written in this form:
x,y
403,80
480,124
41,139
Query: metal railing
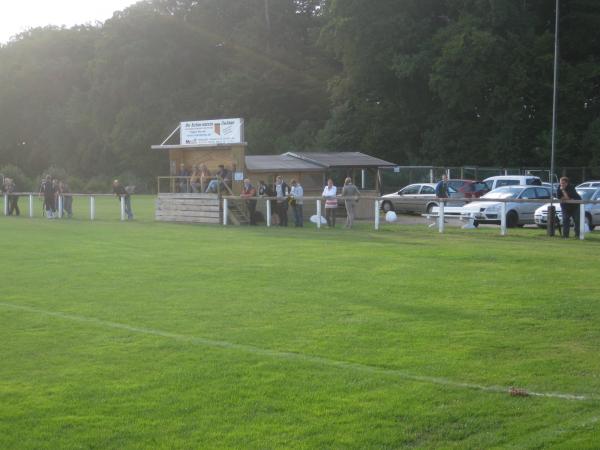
x,y
180,184
441,215
61,202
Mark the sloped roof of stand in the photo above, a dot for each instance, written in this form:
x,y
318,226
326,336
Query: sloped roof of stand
x,y
341,159
312,162
280,163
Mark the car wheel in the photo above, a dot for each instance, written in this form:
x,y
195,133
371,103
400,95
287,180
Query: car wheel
x,y
430,207
387,207
475,223
541,226
512,219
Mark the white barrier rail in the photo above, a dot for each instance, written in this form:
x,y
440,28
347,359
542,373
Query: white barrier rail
x,y
441,216
61,202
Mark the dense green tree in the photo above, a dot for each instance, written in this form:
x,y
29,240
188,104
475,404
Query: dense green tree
x,y
412,81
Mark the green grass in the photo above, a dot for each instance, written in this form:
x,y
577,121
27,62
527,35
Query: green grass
x,y
148,335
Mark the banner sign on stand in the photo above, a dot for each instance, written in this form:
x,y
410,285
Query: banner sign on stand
x,y
212,132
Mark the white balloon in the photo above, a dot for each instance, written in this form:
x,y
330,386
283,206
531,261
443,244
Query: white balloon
x,y
315,219
391,216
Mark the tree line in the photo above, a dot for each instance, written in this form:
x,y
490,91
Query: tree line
x,y
442,82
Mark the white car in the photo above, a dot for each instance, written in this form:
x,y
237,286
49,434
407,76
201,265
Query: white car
x,y
517,214
592,212
589,184
512,180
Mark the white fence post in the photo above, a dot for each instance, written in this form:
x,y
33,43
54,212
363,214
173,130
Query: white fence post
x,y
225,208
92,207
376,214
60,206
6,204
441,217
30,205
503,219
122,207
581,221
318,213
268,213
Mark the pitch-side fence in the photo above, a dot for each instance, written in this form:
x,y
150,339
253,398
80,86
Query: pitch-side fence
x,y
440,216
61,202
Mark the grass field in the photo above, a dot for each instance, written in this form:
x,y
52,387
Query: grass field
x,y
144,335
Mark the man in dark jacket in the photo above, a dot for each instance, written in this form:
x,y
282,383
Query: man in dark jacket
x,y
121,192
441,189
566,191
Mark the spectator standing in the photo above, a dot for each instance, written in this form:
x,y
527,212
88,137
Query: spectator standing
x,y
63,189
331,203
282,191
204,176
9,188
195,180
297,201
249,194
441,189
48,189
351,195
566,191
121,192
182,179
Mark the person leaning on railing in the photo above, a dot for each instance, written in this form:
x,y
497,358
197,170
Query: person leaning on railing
x,y
121,192
249,194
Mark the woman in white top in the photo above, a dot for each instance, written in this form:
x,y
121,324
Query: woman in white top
x,y
329,193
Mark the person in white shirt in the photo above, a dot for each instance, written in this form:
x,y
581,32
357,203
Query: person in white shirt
x,y
331,203
296,195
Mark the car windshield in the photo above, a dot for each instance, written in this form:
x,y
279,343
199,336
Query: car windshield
x,y
504,192
586,194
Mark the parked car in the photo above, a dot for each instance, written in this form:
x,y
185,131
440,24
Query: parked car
x,y
589,184
512,180
550,186
517,214
416,198
592,212
469,188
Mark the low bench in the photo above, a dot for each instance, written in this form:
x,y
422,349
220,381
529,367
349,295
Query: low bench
x,y
454,215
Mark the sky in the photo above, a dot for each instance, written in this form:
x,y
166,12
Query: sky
x,y
19,15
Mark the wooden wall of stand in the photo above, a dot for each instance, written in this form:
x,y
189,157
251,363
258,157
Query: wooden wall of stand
x,y
188,208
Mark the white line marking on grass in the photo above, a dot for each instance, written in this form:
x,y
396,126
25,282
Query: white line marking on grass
x,y
295,356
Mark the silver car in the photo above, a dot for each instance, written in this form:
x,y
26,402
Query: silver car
x,y
592,212
517,214
416,198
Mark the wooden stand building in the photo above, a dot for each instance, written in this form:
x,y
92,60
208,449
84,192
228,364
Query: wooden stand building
x,y
310,169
